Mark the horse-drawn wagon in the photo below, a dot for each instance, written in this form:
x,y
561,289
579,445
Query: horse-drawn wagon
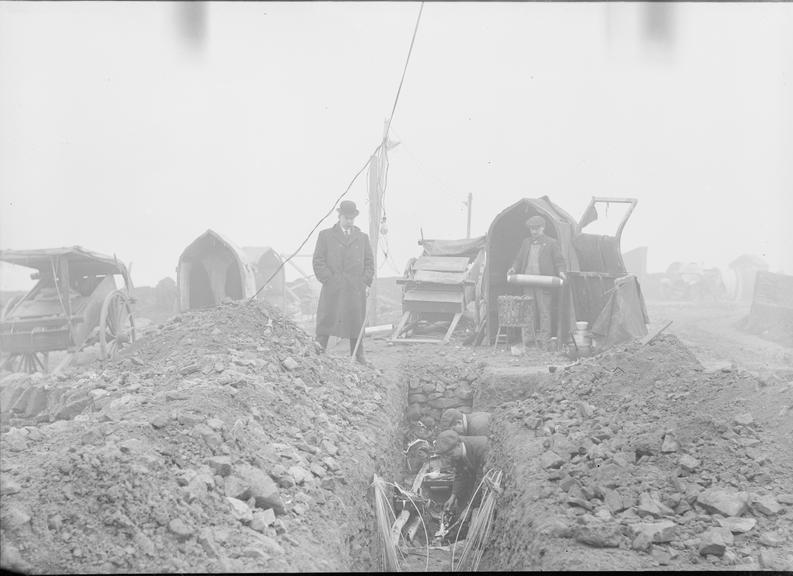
x,y
75,302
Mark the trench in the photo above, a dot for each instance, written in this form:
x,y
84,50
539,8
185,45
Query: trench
x,y
426,538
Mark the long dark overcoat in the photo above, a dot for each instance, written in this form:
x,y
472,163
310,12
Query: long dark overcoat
x,y
344,267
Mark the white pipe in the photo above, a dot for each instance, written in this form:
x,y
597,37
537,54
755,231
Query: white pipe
x,y
535,280
378,329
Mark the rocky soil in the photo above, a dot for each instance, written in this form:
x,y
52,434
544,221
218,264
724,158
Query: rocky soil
x,y
221,442
640,458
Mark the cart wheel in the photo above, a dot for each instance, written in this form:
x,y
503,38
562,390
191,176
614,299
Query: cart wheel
x,y
28,362
116,324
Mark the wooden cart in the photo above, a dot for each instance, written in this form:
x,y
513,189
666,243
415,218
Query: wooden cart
x,y
75,302
438,288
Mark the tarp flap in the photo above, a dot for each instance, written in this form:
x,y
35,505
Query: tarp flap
x,y
624,317
597,253
469,247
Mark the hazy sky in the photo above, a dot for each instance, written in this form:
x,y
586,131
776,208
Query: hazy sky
x,y
119,134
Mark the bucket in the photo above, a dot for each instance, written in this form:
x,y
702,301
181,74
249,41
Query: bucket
x,y
582,340
581,325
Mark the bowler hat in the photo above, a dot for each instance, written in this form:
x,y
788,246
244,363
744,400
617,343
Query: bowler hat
x,y
447,440
535,220
347,208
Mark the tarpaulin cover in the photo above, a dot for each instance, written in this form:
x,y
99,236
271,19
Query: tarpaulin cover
x,y
624,317
469,247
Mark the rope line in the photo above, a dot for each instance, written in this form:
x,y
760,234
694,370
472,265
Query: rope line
x,y
380,147
405,69
299,248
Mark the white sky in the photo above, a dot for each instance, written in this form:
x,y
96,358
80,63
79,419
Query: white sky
x,y
117,135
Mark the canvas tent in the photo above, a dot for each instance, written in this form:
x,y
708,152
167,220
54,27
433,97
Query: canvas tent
x,y
745,268
504,237
595,291
268,265
212,268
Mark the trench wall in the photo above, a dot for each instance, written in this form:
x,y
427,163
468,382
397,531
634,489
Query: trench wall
x,y
431,389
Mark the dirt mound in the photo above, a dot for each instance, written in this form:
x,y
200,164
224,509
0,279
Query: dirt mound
x,y
637,459
222,442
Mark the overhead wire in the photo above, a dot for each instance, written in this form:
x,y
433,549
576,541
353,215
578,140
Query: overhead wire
x,y
303,243
382,145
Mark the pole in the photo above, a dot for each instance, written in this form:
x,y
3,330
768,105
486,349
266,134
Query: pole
x,y
376,173
468,230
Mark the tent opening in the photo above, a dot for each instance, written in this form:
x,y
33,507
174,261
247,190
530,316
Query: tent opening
x,y
210,270
200,288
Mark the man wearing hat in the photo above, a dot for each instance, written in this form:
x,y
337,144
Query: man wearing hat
x,y
473,424
539,255
344,264
468,454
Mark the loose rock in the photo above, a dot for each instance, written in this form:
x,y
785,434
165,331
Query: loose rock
x,y
738,525
240,510
714,541
180,529
766,505
688,463
551,460
726,502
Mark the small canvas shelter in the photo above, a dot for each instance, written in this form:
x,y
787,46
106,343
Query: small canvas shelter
x,y
745,267
212,268
594,268
503,242
267,262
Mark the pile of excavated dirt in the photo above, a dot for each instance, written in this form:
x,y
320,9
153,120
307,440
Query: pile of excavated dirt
x,y
638,459
222,442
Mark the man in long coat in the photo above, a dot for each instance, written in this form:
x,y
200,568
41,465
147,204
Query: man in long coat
x,y
344,264
539,255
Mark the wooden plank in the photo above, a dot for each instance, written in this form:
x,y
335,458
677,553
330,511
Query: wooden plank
x,y
433,296
421,306
439,277
452,326
401,325
442,263
396,528
412,284
418,341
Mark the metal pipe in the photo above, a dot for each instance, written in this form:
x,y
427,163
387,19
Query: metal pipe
x,y
535,280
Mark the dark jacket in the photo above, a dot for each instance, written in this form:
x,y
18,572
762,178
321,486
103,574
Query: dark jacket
x,y
468,470
344,267
478,424
551,259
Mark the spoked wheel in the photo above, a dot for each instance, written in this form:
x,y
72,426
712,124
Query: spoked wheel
x,y
116,324
28,362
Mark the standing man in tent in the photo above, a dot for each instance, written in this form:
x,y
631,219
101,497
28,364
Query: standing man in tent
x,y
539,255
344,264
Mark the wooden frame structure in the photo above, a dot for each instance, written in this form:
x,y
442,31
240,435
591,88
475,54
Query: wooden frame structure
x,y
439,287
